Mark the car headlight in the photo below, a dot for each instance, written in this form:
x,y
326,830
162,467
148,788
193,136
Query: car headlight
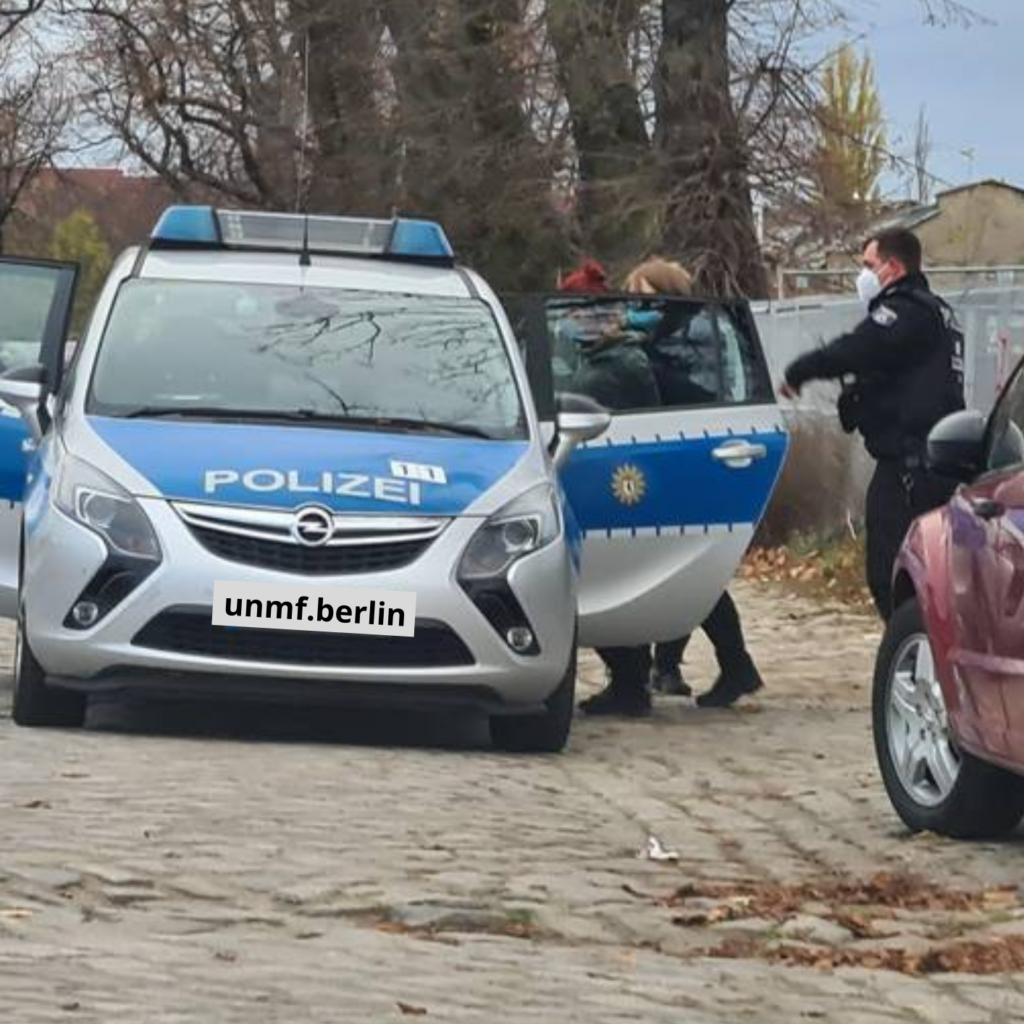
x,y
526,524
104,506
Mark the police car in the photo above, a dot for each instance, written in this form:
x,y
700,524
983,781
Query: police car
x,y
275,400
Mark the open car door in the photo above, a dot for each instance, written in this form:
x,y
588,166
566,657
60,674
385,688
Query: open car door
x,y
35,306
669,497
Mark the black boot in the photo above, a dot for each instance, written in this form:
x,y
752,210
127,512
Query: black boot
x,y
737,681
629,700
627,670
671,683
615,701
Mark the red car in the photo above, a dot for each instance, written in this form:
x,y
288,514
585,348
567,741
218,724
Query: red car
x,y
948,707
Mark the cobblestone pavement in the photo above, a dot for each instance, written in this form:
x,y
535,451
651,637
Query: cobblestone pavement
x,y
300,869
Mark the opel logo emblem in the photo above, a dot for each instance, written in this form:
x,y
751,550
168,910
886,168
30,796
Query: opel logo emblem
x,y
313,527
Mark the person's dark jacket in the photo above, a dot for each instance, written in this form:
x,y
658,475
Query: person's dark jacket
x,y
619,376
903,359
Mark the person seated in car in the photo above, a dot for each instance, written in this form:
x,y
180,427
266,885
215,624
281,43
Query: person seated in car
x,y
680,336
684,378
610,364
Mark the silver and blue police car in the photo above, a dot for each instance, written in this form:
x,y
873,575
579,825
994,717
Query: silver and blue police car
x,y
271,399
275,400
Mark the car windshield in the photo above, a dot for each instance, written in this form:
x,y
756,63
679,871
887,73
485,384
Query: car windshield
x,y
250,351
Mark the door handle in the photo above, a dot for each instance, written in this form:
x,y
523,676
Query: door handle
x,y
739,454
986,508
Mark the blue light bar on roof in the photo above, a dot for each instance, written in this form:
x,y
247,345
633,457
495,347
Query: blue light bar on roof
x,y
285,232
187,225
420,238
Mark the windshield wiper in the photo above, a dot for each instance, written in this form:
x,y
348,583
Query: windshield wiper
x,y
218,412
408,423
311,416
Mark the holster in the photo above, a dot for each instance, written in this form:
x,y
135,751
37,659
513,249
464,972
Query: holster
x,y
850,408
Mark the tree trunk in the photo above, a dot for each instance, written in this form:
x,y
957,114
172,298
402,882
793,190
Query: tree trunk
x,y
350,161
616,181
471,157
702,156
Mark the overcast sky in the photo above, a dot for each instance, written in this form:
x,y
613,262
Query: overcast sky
x,y
970,80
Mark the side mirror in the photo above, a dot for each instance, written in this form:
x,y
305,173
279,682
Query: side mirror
x,y
577,419
956,446
24,388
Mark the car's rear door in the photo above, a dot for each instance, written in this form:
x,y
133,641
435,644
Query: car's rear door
x,y
35,305
669,497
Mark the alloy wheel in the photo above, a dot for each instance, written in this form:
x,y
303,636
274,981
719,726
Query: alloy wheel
x,y
923,753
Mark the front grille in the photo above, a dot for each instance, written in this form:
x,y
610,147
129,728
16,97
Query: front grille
x,y
190,631
285,556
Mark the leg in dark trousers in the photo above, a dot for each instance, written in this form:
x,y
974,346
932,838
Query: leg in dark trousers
x,y
895,498
723,629
668,677
887,517
737,673
669,655
626,692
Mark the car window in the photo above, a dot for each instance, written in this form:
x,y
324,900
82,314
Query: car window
x,y
254,347
641,353
27,294
745,376
1006,429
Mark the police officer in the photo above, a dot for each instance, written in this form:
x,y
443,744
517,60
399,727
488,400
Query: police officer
x,y
906,363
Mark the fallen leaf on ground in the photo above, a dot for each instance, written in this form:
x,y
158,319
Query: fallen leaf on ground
x,y
995,956
1005,898
701,918
412,1011
884,891
630,891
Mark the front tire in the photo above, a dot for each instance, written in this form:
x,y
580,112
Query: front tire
x,y
546,733
932,785
35,703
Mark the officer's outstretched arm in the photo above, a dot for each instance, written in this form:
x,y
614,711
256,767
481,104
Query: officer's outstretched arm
x,y
884,343
846,354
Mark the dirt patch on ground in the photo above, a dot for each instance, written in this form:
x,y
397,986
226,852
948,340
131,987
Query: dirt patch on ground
x,y
441,923
889,922
883,893
989,956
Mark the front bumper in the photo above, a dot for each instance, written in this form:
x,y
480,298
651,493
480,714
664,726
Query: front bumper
x,y
62,556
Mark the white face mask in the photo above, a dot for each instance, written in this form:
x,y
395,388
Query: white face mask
x,y
868,285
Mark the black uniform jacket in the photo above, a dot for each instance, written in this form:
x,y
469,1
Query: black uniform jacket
x,y
903,359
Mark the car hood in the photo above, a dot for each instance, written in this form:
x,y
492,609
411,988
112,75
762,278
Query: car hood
x,y
354,471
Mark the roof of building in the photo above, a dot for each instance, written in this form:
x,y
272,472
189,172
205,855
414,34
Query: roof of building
x,y
984,183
